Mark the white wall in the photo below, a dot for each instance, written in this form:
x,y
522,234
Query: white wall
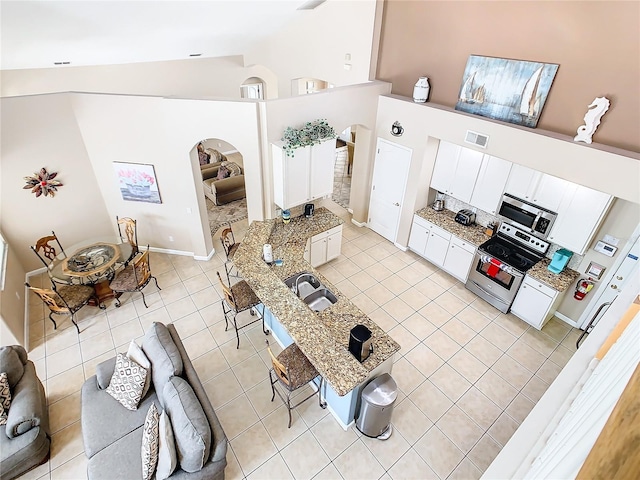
x,y
193,78
12,303
316,43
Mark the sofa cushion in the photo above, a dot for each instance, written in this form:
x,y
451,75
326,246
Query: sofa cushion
x,y
164,356
150,440
12,361
127,382
5,398
136,354
100,409
190,425
167,459
216,156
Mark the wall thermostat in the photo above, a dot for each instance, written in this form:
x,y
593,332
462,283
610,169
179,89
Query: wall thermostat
x,y
605,248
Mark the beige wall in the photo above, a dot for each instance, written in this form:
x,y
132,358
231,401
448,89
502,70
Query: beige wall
x,y
316,43
596,44
12,302
193,78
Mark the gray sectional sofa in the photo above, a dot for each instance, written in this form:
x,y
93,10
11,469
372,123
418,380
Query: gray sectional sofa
x,y
113,435
25,439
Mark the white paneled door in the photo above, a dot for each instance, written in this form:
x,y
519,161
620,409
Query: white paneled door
x,y
390,174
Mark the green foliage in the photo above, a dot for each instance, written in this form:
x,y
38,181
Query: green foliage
x,y
310,134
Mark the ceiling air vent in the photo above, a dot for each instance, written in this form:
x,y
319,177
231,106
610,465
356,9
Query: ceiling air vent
x,y
477,139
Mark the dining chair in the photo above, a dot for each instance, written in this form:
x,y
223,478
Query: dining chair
x,y
128,231
48,255
239,298
291,369
65,299
134,277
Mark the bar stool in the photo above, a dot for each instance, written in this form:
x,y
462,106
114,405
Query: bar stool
x,y
238,298
229,245
292,370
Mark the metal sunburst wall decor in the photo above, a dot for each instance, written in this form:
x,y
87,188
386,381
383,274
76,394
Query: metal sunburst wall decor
x,y
43,183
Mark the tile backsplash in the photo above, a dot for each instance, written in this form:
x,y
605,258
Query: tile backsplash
x,y
483,218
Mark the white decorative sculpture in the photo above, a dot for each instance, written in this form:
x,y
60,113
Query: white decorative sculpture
x,y
592,119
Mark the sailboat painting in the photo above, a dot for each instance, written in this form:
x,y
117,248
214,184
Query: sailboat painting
x,y
512,91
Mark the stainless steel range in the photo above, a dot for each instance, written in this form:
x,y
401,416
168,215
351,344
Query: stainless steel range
x,y
501,263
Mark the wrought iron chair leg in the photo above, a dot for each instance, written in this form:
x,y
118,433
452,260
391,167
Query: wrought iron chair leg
x,y
226,319
235,325
118,303
74,322
289,407
156,280
273,389
143,299
55,326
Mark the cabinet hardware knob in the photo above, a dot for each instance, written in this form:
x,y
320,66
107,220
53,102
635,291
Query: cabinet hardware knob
x,y
614,286
619,277
397,204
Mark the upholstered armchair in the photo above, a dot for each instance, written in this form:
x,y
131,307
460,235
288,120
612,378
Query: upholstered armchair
x,y
25,439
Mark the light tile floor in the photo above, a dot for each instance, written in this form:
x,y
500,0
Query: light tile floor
x,y
468,375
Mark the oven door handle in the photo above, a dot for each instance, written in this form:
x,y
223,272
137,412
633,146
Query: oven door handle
x,y
488,293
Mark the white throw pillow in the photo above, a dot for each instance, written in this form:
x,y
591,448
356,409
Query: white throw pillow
x,y
136,354
150,438
127,382
167,458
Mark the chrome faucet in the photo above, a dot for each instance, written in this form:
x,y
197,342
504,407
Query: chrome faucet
x,y
295,286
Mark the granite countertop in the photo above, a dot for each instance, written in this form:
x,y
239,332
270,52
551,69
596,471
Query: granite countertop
x,y
323,337
558,281
445,219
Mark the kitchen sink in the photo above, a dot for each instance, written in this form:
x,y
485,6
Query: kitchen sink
x,y
311,291
320,299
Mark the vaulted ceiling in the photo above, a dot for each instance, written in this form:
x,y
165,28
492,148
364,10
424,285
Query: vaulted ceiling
x,y
39,34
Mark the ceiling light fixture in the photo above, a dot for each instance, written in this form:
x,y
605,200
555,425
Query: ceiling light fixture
x,y
311,4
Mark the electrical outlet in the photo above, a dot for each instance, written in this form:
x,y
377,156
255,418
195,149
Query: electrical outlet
x,y
170,238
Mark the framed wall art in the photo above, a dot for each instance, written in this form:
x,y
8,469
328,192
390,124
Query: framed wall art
x,y
513,91
137,182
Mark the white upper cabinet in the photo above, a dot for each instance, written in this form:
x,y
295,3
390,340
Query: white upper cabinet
x,y
538,188
579,215
305,176
456,170
491,183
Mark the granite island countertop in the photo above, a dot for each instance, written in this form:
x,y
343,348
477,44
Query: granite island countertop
x,y
323,337
445,219
558,281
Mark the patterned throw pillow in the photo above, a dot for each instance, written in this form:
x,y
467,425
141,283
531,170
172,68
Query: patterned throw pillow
x,y
233,168
127,382
5,398
223,172
150,438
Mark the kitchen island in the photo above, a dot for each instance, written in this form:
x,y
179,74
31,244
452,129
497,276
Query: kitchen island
x,y
322,336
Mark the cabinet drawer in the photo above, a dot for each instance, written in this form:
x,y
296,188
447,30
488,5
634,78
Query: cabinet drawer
x,y
421,221
441,232
458,242
333,230
543,288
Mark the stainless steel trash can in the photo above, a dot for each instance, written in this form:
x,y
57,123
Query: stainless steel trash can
x,y
377,400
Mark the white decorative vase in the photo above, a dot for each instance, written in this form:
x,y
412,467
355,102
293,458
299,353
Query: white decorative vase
x,y
421,90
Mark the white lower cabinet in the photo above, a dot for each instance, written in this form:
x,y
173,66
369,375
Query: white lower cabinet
x,y
441,248
324,247
437,246
459,258
535,302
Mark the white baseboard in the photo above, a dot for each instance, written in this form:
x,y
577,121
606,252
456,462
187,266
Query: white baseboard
x,y
566,319
168,251
350,210
207,258
404,249
358,224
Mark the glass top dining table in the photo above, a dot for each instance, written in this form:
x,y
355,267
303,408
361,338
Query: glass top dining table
x,y
92,262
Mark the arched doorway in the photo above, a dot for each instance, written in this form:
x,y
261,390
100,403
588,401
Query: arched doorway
x,y
223,183
253,88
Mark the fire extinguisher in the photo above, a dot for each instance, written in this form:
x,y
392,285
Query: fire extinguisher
x,y
583,287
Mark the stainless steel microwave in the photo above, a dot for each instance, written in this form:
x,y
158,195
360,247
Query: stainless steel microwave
x,y
534,219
